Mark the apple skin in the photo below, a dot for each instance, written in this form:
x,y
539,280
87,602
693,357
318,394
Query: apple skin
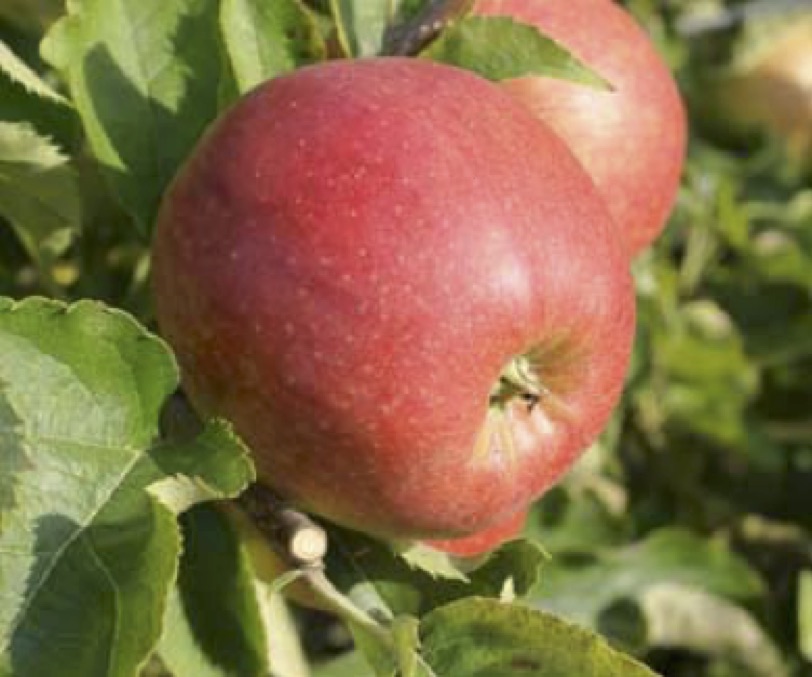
x,y
347,264
631,140
485,541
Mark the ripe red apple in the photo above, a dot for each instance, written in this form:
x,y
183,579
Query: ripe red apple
x,y
483,541
405,293
632,139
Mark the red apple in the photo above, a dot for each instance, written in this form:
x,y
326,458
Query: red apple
x,y
405,293
483,541
632,139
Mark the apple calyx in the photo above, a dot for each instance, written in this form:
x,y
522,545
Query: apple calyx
x,y
518,385
518,397
518,380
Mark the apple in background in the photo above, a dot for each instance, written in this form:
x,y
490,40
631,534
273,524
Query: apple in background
x,y
631,140
767,88
483,542
403,290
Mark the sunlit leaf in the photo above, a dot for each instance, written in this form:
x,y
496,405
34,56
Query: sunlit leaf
x,y
144,76
39,194
19,72
499,48
88,538
581,587
680,616
484,637
361,24
266,39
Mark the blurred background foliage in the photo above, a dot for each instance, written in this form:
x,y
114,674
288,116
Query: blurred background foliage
x,y
685,535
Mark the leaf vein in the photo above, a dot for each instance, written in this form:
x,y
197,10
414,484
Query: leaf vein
x,y
78,533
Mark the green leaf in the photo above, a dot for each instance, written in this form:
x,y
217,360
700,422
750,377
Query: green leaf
x,y
53,120
577,518
583,588
681,616
485,637
225,620
221,611
710,377
351,664
378,648
18,71
405,632
179,649
498,48
361,25
144,76
398,654
39,194
28,98
384,584
266,39
88,540
777,256
805,613
432,561
286,655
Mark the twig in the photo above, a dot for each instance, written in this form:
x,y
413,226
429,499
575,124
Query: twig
x,y
297,538
410,38
302,544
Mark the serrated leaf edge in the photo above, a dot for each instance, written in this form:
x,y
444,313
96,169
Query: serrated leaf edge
x,y
21,74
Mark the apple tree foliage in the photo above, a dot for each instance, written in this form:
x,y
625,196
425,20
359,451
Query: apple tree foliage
x,y
681,541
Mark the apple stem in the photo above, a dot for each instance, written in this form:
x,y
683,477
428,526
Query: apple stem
x,y
302,544
413,36
294,535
